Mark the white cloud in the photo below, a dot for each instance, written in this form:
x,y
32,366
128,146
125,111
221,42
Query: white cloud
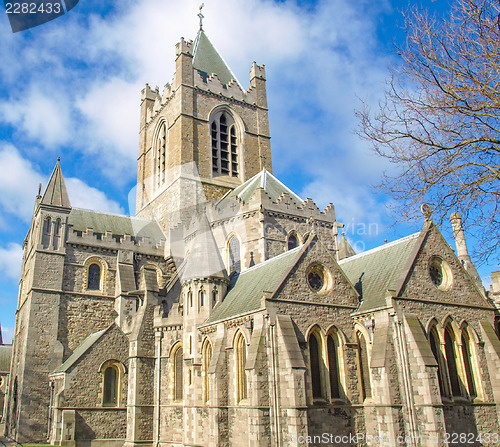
x,y
41,118
10,260
19,185
82,195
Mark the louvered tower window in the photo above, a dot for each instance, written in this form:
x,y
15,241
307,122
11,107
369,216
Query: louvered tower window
x,y
161,155
224,146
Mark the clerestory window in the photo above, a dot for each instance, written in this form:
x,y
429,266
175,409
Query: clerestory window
x,y
224,145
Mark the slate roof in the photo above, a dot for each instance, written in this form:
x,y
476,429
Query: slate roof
x,y
376,271
207,60
56,194
265,180
82,219
78,352
5,355
247,289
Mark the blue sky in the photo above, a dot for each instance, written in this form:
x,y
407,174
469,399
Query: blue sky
x,y
71,88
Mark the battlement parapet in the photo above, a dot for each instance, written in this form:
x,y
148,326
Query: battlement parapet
x,y
184,47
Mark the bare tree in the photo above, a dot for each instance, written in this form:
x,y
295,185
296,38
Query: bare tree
x,y
439,122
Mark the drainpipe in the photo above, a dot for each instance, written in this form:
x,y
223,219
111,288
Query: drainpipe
x,y
158,336
405,369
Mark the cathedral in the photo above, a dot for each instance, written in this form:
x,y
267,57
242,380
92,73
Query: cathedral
x,y
232,312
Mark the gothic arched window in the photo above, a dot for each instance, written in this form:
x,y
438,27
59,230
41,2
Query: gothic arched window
x,y
315,360
57,234
224,145
178,368
161,155
468,362
292,241
47,226
201,295
94,277
110,392
449,344
207,357
435,348
234,255
364,367
214,297
240,347
333,366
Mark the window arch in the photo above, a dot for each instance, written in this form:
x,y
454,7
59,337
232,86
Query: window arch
x,y
240,347
451,362
224,145
215,294
57,234
292,240
364,367
201,296
46,231
234,255
436,351
333,366
110,393
112,376
315,359
178,370
161,154
207,357
468,362
94,277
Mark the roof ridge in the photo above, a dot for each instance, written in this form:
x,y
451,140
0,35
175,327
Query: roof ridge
x,y
268,261
116,214
380,248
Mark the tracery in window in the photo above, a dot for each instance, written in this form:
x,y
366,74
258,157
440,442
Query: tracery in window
x,y
364,368
224,145
234,256
94,277
161,155
241,357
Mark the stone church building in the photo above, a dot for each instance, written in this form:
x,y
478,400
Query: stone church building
x,y
231,312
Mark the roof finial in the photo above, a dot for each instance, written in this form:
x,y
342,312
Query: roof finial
x,y
201,16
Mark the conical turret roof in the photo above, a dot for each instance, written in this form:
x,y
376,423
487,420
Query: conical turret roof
x,y
208,61
56,194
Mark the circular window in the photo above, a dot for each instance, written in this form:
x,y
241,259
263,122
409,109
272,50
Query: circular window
x,y
318,278
440,273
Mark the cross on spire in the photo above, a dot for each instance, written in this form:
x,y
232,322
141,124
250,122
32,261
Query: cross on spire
x,y
201,16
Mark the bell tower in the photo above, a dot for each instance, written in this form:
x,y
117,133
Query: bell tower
x,y
202,136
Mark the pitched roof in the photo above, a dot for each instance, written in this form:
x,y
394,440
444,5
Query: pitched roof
x,y
376,271
247,289
82,219
79,351
204,259
208,61
266,181
56,194
5,355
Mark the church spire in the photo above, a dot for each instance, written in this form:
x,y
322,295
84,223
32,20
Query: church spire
x,y
55,193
